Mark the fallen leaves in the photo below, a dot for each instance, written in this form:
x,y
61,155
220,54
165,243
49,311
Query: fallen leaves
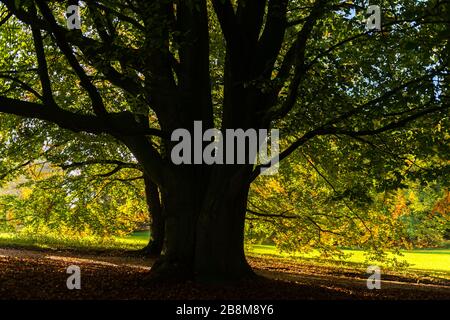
x,y
28,274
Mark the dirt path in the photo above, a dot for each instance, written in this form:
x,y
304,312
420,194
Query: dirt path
x,y
29,274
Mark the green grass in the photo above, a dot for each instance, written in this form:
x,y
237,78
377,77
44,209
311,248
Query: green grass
x,y
419,259
429,260
51,241
138,237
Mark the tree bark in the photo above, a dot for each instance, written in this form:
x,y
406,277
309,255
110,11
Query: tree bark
x,y
205,230
157,227
178,194
220,252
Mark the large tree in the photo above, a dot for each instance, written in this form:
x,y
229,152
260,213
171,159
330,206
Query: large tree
x,y
140,70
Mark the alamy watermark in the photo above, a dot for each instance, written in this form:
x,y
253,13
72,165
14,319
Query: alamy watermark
x,y
73,17
374,280
74,280
236,146
373,22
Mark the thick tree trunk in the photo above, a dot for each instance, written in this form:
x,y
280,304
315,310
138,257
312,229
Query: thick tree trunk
x,y
179,211
205,230
219,254
204,213
157,227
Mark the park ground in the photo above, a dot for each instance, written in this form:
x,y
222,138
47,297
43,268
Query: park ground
x,y
35,268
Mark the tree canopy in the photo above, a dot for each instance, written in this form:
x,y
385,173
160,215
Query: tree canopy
x,y
363,114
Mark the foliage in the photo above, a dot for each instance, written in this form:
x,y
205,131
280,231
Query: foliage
x,y
83,205
303,211
363,115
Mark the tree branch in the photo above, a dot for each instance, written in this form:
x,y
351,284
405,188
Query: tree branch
x,y
296,57
333,130
97,101
42,64
118,123
227,18
117,163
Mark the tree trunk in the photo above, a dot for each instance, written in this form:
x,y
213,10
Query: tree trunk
x,y
179,210
219,254
156,242
205,230
203,208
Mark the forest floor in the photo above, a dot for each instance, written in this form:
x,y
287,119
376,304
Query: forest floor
x,y
42,274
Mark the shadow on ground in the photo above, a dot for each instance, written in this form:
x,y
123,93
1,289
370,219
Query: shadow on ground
x,y
27,274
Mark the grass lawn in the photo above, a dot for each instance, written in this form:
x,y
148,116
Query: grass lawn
x,y
419,259
428,260
139,236
133,242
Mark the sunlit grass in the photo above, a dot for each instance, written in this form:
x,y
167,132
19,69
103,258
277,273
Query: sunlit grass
x,y
55,241
419,259
433,260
